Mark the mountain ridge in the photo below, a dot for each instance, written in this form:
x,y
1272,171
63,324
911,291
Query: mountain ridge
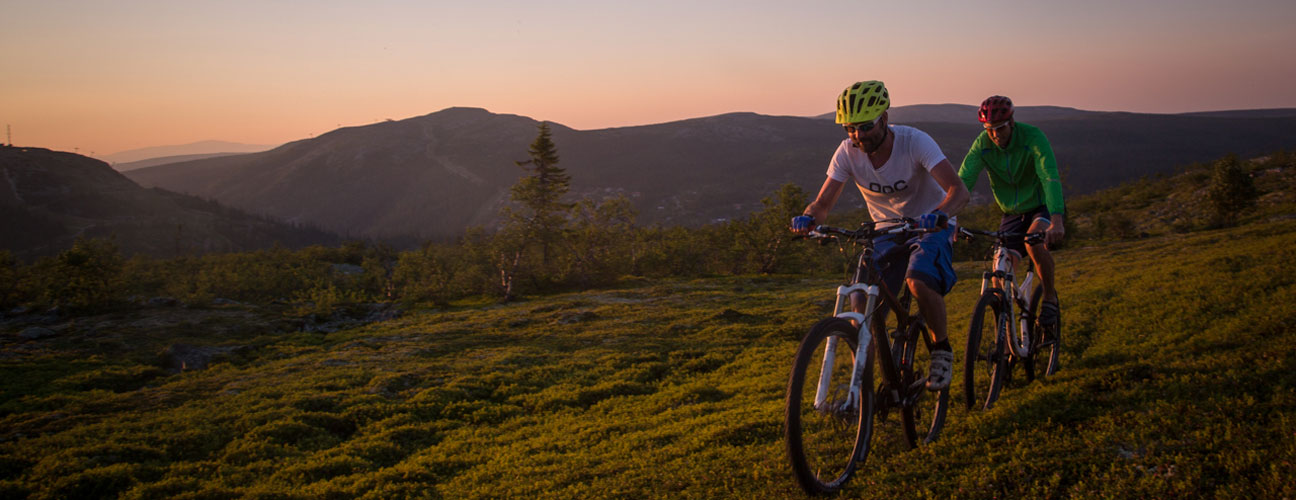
x,y
433,175
194,148
49,199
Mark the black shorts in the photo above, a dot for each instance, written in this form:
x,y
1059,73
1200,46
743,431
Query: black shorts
x,y
1020,223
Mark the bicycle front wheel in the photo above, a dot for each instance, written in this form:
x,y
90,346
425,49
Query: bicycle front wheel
x,y
827,426
986,360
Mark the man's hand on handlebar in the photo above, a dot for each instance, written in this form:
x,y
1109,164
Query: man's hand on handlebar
x,y
1055,233
802,224
933,221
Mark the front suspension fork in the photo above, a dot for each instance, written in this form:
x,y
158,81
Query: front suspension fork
x,y
861,352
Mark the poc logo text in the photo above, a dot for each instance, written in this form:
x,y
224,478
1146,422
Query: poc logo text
x,y
900,185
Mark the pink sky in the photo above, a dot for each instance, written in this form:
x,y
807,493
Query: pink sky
x,y
103,77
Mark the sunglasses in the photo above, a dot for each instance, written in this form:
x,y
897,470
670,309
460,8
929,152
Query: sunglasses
x,y
997,126
861,127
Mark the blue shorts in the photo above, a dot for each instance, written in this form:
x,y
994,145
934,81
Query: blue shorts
x,y
927,257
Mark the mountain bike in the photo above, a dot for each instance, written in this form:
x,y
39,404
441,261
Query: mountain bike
x,y
1000,343
835,416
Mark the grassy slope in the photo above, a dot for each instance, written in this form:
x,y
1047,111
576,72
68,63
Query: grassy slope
x,y
1177,379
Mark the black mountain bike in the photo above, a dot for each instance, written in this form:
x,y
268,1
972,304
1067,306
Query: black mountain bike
x,y
835,415
995,342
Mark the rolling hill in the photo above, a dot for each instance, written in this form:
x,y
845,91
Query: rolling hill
x,y
153,162
48,199
434,175
127,160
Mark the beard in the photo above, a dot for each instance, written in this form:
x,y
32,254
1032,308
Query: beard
x,y
871,146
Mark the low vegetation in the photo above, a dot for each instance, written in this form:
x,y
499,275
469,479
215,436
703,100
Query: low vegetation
x,y
1176,380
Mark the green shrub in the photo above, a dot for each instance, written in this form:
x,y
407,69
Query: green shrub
x,y
427,275
1231,190
101,482
1115,225
252,449
378,453
323,469
294,433
324,301
114,378
193,443
170,488
408,436
84,277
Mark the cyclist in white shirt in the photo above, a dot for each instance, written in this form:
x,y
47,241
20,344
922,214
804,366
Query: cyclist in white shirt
x,y
902,173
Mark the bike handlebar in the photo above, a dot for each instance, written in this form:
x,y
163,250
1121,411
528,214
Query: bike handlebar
x,y
869,230
1030,238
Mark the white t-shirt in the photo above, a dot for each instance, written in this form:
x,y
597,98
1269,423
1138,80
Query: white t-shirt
x,y
904,186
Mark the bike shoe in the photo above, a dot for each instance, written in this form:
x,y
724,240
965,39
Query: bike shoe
x,y
1048,318
941,370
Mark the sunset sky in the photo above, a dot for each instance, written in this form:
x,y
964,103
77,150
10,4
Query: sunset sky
x,y
103,77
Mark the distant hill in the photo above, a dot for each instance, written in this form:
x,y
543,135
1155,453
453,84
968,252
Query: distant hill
x,y
434,175
153,162
119,159
1248,113
426,176
50,198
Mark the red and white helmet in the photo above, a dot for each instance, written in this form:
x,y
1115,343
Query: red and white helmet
x,y
995,109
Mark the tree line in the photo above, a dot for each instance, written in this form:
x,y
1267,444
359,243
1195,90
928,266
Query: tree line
x,y
546,243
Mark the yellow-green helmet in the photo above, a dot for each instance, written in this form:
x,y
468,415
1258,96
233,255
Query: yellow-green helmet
x,y
862,102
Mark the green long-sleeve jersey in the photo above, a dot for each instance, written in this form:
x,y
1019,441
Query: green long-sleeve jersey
x,y
1023,176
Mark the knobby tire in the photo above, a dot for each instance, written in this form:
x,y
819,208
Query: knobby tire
x,y
987,351
1046,357
826,447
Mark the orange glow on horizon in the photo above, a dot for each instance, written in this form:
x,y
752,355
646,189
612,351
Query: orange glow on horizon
x,y
145,73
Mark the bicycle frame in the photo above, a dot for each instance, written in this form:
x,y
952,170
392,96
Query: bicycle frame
x,y
833,415
863,282
1002,279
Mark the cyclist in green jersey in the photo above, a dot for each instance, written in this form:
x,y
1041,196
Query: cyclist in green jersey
x,y
1024,178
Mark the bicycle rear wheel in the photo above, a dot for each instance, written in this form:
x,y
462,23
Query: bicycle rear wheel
x,y
986,360
924,412
893,431
1047,344
828,440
